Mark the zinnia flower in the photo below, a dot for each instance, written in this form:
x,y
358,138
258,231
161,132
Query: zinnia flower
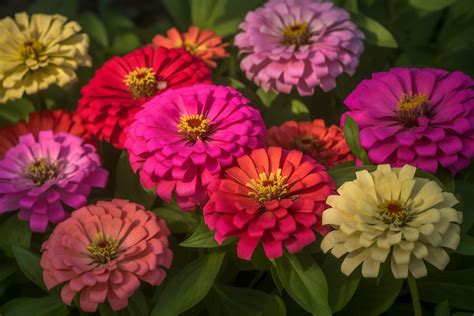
x,y
421,117
272,196
184,138
325,144
205,44
40,176
37,52
103,251
117,91
391,214
56,120
298,43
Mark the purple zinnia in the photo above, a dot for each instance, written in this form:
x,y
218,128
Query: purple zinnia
x,y
420,117
38,176
298,43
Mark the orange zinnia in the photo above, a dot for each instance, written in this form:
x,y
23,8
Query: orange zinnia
x,y
205,44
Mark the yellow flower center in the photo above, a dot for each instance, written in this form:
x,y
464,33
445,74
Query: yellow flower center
x,y
142,83
41,171
296,34
410,107
268,187
394,212
193,127
103,249
31,49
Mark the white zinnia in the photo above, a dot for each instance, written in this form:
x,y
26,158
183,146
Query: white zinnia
x,y
391,212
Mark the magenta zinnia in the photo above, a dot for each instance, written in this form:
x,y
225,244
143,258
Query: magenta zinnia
x,y
184,138
420,117
103,251
40,176
298,43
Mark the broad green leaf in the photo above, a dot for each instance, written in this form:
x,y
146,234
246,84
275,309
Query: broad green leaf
x,y
124,43
177,220
15,110
203,238
431,5
137,305
442,309
267,97
466,246
29,264
234,301
299,109
189,286
179,11
45,306
7,270
276,279
116,22
304,281
14,232
464,189
352,137
375,33
94,27
67,8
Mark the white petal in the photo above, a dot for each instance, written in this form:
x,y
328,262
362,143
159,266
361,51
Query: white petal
x,y
406,172
437,257
400,271
401,256
417,267
451,214
379,254
420,251
370,268
410,233
452,237
353,260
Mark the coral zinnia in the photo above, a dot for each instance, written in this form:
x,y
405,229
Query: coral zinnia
x,y
298,43
204,44
37,52
56,120
421,117
115,94
184,138
103,251
38,176
325,145
273,196
391,212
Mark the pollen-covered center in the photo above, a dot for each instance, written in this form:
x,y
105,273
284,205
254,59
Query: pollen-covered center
x,y
296,34
194,127
410,107
41,171
393,212
142,83
31,49
103,249
268,187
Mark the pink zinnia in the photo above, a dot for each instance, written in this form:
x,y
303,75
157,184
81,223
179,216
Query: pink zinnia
x,y
184,138
103,251
40,176
420,117
298,43
272,196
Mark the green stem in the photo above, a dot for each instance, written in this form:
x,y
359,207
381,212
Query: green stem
x,y
415,297
41,105
256,279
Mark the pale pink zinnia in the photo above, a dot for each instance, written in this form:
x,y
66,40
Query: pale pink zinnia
x,y
298,43
103,251
184,138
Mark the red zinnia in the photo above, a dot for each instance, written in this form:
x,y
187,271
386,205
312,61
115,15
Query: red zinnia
x,y
325,144
272,195
56,121
112,98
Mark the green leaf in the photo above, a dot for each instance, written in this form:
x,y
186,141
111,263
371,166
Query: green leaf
x,y
7,270
234,301
67,8
29,264
179,11
13,111
300,110
189,286
124,43
137,305
94,27
464,189
267,97
128,186
341,287
352,137
304,281
177,220
276,279
375,33
14,232
431,5
466,246
203,238
45,306
442,309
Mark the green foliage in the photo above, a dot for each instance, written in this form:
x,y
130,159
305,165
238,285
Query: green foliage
x,y
29,264
351,135
13,232
45,306
202,237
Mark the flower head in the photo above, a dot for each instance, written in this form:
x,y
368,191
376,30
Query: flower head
x,y
420,117
391,213
39,51
298,43
271,196
325,144
56,120
112,98
103,251
204,44
39,176
184,138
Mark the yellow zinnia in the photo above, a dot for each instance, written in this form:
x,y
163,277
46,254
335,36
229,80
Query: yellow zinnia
x,y
37,52
391,212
